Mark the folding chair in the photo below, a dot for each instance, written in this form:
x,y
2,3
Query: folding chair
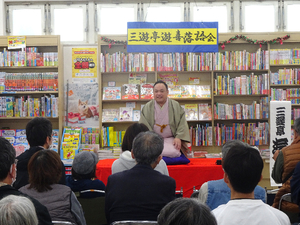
x,y
134,222
93,208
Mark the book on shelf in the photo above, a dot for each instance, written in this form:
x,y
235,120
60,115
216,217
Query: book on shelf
x,y
146,91
110,115
137,78
174,91
201,135
130,91
251,133
191,111
205,111
136,115
111,93
125,114
168,78
203,91
188,91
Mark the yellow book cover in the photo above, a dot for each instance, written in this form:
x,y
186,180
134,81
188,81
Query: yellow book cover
x,y
110,135
191,111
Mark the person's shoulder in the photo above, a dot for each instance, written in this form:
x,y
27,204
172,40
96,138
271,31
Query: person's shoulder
x,y
219,209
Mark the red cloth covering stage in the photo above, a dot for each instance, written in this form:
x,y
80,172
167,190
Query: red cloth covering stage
x,y
186,176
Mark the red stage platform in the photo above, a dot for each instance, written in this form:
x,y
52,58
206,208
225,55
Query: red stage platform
x,y
187,176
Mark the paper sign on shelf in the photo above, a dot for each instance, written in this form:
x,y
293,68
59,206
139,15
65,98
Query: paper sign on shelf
x,y
14,42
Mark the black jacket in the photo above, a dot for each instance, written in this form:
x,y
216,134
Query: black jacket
x,y
41,210
137,194
22,171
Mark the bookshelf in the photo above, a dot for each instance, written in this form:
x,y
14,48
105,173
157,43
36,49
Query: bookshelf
x,y
44,44
208,75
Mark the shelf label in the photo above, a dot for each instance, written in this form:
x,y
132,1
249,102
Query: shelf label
x,y
14,42
172,37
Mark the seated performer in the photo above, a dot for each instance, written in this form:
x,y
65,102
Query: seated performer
x,y
167,118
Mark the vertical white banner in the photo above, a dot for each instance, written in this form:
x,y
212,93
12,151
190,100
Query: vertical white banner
x,y
280,129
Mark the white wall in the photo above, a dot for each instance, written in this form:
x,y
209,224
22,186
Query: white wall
x,y
2,18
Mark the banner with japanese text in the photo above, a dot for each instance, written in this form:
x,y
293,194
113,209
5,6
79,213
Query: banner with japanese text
x,y
84,62
280,130
172,37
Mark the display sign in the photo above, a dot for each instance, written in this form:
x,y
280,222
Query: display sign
x,y
172,37
280,130
84,62
14,42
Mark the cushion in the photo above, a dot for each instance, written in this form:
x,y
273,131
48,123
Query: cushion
x,y
177,160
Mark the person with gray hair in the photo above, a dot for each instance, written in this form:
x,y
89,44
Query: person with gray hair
x,y
140,192
216,192
17,210
286,160
182,211
8,174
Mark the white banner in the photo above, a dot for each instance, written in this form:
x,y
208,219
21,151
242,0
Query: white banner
x,y
280,130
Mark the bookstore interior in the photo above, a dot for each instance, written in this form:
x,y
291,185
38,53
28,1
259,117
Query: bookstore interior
x,y
226,93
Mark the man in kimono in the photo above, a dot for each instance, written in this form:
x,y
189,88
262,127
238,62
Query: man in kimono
x,y
166,117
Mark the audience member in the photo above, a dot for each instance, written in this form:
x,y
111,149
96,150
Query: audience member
x,y
39,136
166,117
186,211
126,162
243,166
141,192
44,169
285,163
295,186
17,210
216,192
83,175
8,175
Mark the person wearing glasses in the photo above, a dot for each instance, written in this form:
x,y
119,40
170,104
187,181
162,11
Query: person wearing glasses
x,y
8,173
39,136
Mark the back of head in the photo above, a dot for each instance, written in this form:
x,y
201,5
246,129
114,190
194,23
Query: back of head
x,y
37,131
231,143
297,126
182,211
147,147
7,157
84,165
17,210
44,169
243,165
131,132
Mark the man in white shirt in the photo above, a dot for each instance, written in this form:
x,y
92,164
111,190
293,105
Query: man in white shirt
x,y
243,167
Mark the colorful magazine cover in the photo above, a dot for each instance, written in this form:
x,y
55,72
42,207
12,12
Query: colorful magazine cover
x,y
203,91
146,91
111,93
168,78
135,78
188,91
130,91
191,111
110,115
174,91
125,114
205,111
136,115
